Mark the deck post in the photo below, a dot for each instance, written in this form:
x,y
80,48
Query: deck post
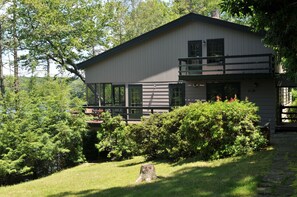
x,y
180,67
270,63
280,113
224,65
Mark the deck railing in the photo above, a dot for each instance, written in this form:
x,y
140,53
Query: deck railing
x,y
128,113
288,114
223,65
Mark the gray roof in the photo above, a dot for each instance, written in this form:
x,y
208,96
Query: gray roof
x,y
171,25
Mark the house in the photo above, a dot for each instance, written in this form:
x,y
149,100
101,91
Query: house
x,y
192,58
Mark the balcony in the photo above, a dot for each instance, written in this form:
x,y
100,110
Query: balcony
x,y
224,67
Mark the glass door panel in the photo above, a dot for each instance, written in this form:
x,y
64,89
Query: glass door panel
x,y
195,50
135,100
119,99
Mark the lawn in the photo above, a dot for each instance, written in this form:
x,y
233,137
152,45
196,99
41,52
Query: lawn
x,y
226,177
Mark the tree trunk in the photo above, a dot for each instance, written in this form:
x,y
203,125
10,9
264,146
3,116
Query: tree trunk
x,y
15,51
47,67
147,173
1,63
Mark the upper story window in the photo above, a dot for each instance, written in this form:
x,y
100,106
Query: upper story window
x,y
195,48
215,47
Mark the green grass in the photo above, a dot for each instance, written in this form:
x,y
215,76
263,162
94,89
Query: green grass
x,y
226,177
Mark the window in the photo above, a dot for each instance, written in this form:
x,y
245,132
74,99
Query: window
x,y
195,50
118,92
215,47
225,91
176,94
118,95
105,94
135,100
92,94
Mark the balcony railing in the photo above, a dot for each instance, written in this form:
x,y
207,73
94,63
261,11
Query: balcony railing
x,y
227,65
288,114
128,113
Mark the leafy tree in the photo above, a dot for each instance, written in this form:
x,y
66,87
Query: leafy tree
x,y
132,18
42,136
117,23
60,32
77,89
10,28
203,7
278,19
147,16
1,62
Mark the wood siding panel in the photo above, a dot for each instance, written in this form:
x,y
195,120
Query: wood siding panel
x,y
263,93
155,94
156,59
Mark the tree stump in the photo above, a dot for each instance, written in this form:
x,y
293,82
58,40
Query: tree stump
x,y
147,173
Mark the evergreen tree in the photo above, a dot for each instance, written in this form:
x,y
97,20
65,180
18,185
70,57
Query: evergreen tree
x,y
42,136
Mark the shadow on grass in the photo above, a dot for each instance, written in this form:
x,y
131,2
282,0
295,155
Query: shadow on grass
x,y
132,164
236,178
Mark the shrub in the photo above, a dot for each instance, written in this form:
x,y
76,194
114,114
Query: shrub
x,y
158,136
113,137
222,129
207,130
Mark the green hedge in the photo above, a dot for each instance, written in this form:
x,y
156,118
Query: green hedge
x,y
113,138
206,130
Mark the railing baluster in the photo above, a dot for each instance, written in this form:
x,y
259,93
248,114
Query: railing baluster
x,y
224,65
272,63
269,64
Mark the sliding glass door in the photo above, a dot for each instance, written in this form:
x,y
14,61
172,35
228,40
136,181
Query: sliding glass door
x,y
135,100
119,99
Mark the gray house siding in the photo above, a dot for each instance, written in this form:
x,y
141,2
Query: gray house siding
x,y
155,94
195,90
156,59
263,93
